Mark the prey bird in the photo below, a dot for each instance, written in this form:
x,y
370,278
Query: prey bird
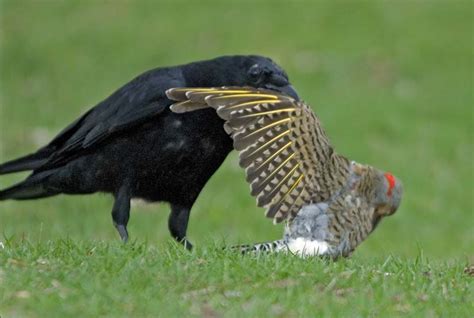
x,y
331,204
132,146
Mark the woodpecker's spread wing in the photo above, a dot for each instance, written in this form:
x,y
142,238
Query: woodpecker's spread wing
x,y
281,143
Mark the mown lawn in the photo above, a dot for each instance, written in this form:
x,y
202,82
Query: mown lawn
x,y
68,278
393,85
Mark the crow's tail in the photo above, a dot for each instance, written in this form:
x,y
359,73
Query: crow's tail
x,y
30,162
33,187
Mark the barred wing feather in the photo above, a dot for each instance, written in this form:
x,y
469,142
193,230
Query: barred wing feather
x,y
282,146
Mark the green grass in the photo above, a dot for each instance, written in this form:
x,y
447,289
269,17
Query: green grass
x,y
393,85
110,279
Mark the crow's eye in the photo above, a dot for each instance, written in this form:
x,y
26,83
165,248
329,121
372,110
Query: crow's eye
x,y
255,72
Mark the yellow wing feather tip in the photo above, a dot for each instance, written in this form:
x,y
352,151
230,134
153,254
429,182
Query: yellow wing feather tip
x,y
295,184
268,178
280,184
243,94
257,102
271,157
275,123
270,112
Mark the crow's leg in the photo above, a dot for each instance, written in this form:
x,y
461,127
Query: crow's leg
x,y
274,246
121,211
178,224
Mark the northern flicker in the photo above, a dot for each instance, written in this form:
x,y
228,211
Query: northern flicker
x,y
331,204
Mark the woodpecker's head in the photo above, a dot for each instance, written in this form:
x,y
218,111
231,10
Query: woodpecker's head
x,y
382,190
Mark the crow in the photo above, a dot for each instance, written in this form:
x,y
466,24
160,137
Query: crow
x,y
132,146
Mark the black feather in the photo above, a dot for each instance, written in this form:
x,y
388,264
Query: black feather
x,y
132,145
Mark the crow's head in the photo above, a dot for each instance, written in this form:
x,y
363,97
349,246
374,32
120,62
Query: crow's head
x,y
262,72
239,70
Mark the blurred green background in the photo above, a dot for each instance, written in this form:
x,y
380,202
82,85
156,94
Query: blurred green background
x,y
392,82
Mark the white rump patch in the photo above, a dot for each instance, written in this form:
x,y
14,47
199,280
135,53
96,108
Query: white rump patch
x,y
304,247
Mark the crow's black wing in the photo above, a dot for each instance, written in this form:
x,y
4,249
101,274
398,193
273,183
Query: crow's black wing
x,y
136,102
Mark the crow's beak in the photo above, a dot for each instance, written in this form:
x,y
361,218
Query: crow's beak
x,y
280,83
287,89
290,90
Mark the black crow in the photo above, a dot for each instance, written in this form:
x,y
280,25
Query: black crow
x,y
132,146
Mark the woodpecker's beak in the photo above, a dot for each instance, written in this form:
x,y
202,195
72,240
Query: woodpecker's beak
x,y
385,210
375,221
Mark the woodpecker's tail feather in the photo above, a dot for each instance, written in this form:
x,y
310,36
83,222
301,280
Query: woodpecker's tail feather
x,y
33,187
267,247
29,162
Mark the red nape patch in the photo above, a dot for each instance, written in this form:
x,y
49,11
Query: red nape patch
x,y
391,182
